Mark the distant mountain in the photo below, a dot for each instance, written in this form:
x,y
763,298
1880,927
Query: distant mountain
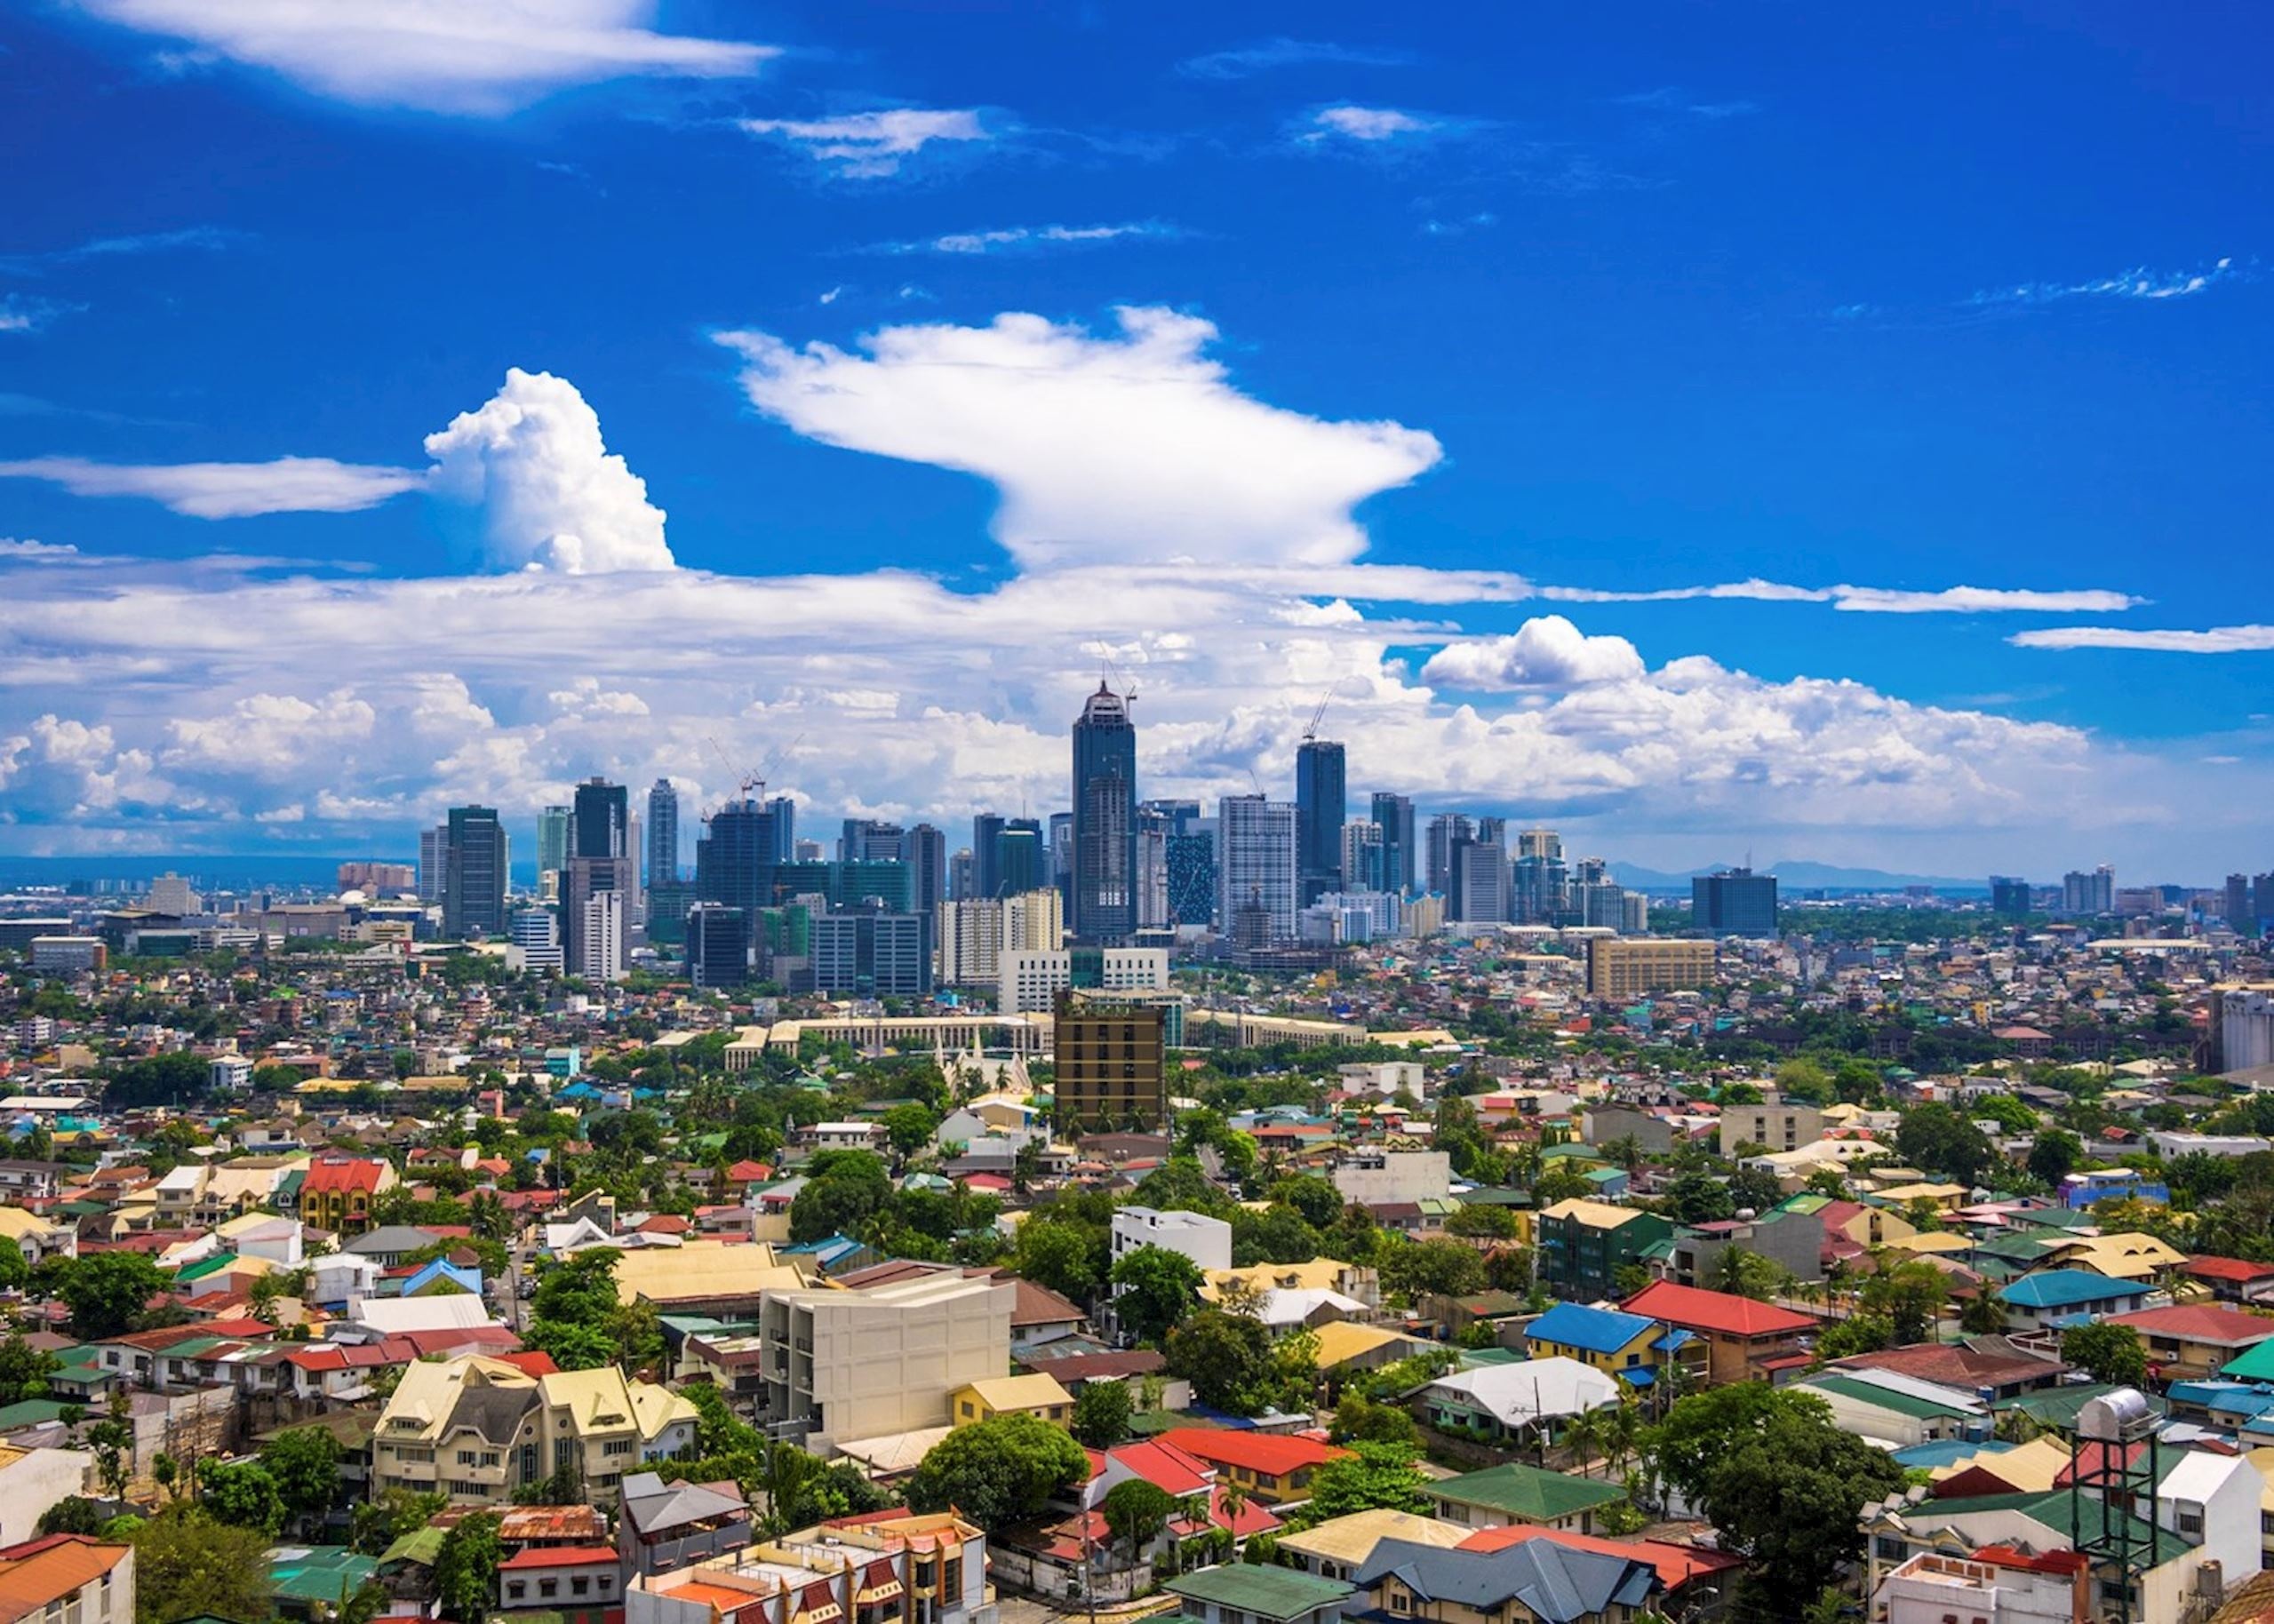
x,y
1800,875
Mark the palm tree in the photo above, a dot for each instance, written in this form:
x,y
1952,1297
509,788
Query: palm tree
x,y
1582,1434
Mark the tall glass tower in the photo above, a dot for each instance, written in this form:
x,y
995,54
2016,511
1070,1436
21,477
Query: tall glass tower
x,y
663,834
1105,821
1320,807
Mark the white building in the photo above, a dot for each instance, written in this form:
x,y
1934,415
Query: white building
x,y
1372,1178
2170,1144
602,936
230,1073
1255,862
975,935
1207,1241
2245,1029
536,942
33,1480
868,1364
66,955
1933,1588
1030,982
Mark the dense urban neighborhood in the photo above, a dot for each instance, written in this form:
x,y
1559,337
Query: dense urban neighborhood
x,y
1911,1260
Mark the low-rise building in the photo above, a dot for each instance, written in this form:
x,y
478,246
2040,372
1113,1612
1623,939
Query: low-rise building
x,y
880,1360
1734,1338
67,1579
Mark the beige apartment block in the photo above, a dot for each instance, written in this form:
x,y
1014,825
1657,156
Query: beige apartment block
x,y
1627,967
867,1364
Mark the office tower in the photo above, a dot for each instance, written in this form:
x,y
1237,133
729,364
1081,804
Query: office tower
x,y
1103,900
2088,894
868,840
986,835
473,870
1365,859
171,894
1477,894
666,913
1022,864
1542,843
867,953
2263,898
1110,1061
1393,816
962,876
1058,843
1190,861
595,915
552,840
805,851
1634,914
2236,908
433,862
599,820
735,864
1321,806
1444,830
924,849
1598,901
1623,969
535,944
1542,890
1733,903
1493,831
1151,869
663,834
2009,898
1181,814
718,945
1256,861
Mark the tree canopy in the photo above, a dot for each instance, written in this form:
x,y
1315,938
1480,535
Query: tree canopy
x,y
999,1471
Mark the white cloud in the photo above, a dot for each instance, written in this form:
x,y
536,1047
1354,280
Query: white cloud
x,y
547,493
1132,447
871,144
1548,652
1030,239
20,312
445,56
1357,124
2139,284
229,489
1873,600
1244,61
269,736
2215,640
15,551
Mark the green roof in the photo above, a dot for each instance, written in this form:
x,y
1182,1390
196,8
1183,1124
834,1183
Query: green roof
x,y
1472,1358
1527,1492
2252,1364
1883,1397
2058,1406
2054,1508
1272,1592
32,1412
318,1572
420,1545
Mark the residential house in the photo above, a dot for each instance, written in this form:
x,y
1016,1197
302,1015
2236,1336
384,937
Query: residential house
x,y
2041,1301
2190,1340
665,1525
1514,1492
1247,1594
337,1192
2232,1279
1271,1467
1735,1339
888,1568
1522,1401
1339,1547
1901,1411
67,1579
1618,1344
993,1396
1536,1581
883,1359
1583,1245
579,1582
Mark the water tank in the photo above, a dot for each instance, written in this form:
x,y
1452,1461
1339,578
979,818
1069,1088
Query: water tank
x,y
2116,1417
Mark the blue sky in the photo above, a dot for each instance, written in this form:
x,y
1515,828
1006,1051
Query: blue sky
x,y
1468,327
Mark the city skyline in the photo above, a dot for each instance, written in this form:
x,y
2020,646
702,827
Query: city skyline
x,y
1620,427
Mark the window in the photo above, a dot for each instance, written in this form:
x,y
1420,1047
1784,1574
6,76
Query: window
x,y
517,1588
1398,1602
581,1585
549,1587
467,1457
617,1446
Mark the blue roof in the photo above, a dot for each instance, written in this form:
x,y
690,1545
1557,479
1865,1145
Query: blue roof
x,y
2059,1288
1575,1325
1945,1452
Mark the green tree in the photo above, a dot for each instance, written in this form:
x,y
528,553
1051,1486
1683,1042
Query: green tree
x,y
1699,1197
1136,1512
1065,1257
380,1523
73,1514
243,1494
1314,1197
2057,1154
1154,1289
1227,1357
1374,1475
999,1471
1745,1273
187,1564
465,1569
2111,1353
908,1128
1936,1138
1857,1334
109,1292
1432,1268
1101,1413
1358,1418
304,1463
845,1189
1788,1498
24,1369
1909,1296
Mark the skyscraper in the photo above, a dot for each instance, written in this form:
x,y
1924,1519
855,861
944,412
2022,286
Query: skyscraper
x,y
782,810
1321,806
2088,894
1151,868
1444,830
986,836
2009,898
1365,859
596,916
1192,879
433,862
552,840
473,886
1393,816
718,945
1541,894
600,821
869,839
663,833
1021,864
924,849
1104,869
1256,861
1733,903
734,858
1478,891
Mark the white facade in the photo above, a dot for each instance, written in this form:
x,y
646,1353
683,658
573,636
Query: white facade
x,y
536,941
1255,861
866,1363
975,935
1930,1588
1207,1241
1030,982
602,936
2246,1030
31,1483
1396,1175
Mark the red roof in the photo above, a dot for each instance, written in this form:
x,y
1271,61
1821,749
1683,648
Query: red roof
x,y
2200,1322
536,1362
563,1557
1696,1310
341,1174
1263,1452
1164,1466
2227,1268
1677,1564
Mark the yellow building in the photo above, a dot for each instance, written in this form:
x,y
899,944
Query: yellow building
x,y
1035,1395
1621,1345
1629,966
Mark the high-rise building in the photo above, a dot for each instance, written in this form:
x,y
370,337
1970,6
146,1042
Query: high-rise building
x,y
433,862
867,953
536,942
1393,816
376,879
2236,909
986,835
1542,888
1444,830
663,834
1493,831
1103,903
2009,898
1321,806
1256,861
718,945
1111,1062
1733,903
1478,891
2261,894
962,876
1181,814
552,840
596,917
869,839
1028,980
1151,869
1366,865
1621,968
475,867
924,849
599,820
1192,879
2089,894
1022,860
735,862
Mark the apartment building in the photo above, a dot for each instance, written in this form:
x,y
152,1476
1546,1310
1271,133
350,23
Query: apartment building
x,y
1112,1064
886,1568
67,1579
479,1429
1628,967
1772,1124
1205,1240
845,1364
1584,1244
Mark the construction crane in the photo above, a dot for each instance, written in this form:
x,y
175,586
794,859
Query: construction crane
x,y
1311,732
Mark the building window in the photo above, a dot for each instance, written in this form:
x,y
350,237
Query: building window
x,y
549,1587
517,1588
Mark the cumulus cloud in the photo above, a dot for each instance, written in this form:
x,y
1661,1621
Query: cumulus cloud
x,y
865,145
2213,639
1548,652
227,490
1370,124
1131,446
442,56
548,493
